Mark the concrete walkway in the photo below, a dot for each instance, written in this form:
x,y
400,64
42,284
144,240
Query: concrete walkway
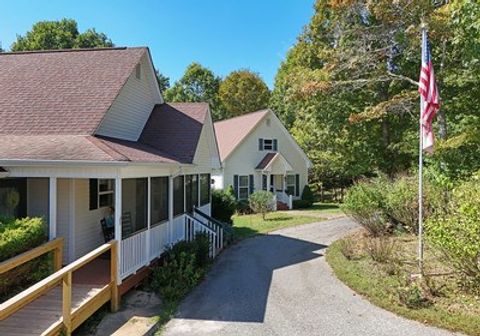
x,y
280,284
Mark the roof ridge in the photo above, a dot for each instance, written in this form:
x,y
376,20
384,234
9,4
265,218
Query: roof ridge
x,y
243,115
67,50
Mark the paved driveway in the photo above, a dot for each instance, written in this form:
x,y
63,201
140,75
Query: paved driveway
x,y
280,284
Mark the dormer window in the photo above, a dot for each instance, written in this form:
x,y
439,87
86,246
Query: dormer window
x,y
138,71
267,144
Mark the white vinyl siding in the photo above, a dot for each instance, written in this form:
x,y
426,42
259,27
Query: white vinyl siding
x,y
206,155
88,232
244,159
131,109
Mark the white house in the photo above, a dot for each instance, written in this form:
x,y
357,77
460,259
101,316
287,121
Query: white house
x,y
258,152
85,130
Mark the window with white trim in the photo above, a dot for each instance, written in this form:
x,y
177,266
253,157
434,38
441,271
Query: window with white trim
x,y
290,185
243,187
105,192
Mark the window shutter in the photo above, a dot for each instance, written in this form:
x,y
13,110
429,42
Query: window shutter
x,y
297,185
252,186
275,145
260,144
272,187
235,185
93,194
264,182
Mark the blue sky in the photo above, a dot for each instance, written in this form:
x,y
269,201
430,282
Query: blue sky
x,y
223,35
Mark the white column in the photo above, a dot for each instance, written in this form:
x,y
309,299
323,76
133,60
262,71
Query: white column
x,y
52,201
170,209
149,212
118,223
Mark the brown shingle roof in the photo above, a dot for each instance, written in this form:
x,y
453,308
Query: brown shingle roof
x,y
170,136
61,92
55,147
231,132
265,161
175,128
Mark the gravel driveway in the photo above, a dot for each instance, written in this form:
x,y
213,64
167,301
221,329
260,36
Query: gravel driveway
x,y
280,284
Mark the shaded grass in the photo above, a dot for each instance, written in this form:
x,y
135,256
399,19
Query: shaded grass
x,y
455,309
245,226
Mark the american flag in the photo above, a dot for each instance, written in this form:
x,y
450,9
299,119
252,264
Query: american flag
x,y
430,100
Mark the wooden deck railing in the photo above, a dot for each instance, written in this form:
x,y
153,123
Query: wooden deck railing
x,y
71,318
55,245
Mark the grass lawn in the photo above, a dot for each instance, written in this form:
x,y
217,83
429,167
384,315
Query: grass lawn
x,y
446,304
318,209
245,226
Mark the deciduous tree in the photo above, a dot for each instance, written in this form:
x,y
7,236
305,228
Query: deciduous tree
x,y
63,34
243,91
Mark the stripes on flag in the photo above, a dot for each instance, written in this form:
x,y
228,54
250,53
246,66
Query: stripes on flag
x,y
430,100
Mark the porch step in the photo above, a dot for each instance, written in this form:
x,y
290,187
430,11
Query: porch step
x,y
282,206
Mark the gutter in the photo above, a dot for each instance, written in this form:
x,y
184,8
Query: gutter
x,y
70,163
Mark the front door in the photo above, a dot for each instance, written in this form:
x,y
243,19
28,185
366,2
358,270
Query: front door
x,y
278,182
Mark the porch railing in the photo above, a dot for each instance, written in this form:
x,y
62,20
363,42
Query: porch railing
x,y
55,245
224,231
133,253
71,318
284,198
193,226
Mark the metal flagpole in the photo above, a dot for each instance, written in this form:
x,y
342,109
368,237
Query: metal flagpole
x,y
420,176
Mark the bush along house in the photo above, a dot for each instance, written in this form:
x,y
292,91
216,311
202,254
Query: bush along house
x,y
89,145
258,153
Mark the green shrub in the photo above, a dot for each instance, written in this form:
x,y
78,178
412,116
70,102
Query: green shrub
x,y
223,205
18,236
184,265
365,203
402,201
457,230
307,196
261,202
243,207
176,277
301,204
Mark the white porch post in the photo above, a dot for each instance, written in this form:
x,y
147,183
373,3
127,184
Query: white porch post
x,y
170,209
52,201
149,211
118,223
268,181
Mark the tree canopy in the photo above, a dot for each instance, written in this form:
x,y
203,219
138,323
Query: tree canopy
x,y
243,91
63,34
163,81
347,88
198,84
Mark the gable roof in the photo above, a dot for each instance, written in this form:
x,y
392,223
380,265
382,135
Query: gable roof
x,y
175,128
231,132
266,160
61,91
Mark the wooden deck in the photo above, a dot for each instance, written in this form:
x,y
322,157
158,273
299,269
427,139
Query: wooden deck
x,y
45,312
84,286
